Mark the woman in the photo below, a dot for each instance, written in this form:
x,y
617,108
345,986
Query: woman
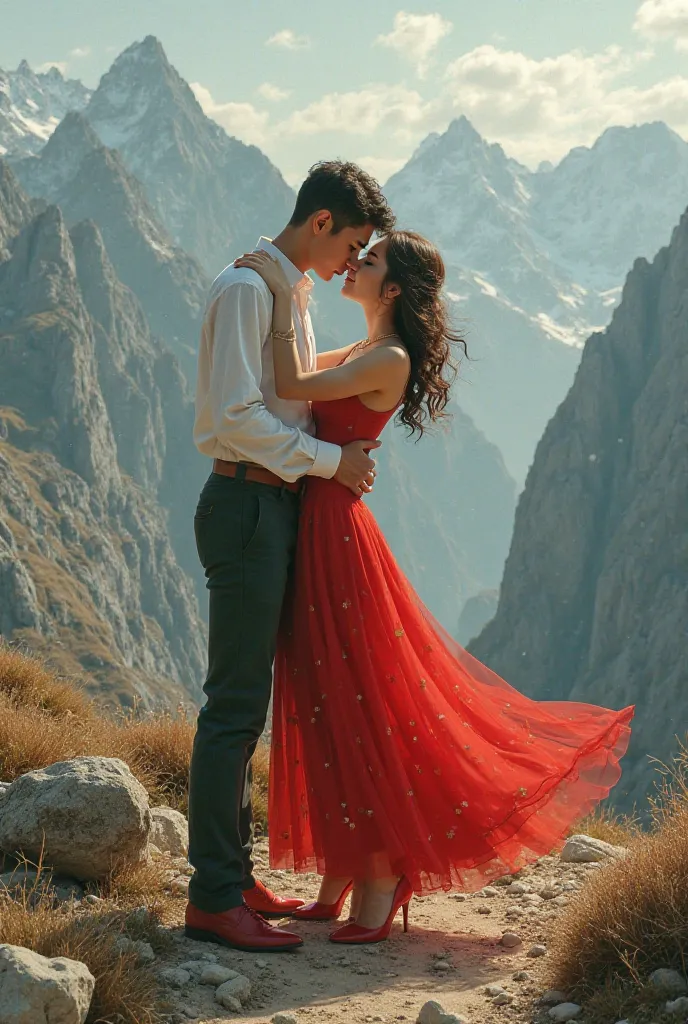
x,y
400,764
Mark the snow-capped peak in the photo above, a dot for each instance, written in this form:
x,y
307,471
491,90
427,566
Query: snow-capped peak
x,y
33,104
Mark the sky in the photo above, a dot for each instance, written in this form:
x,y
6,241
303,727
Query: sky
x,y
368,81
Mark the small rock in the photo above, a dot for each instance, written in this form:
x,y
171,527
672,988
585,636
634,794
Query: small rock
x,y
284,1018
229,1002
552,998
484,910
586,850
169,831
194,967
94,901
532,897
490,891
180,884
175,977
517,889
510,940
143,949
549,893
433,1013
670,981
215,974
459,896
679,1005
521,976
493,990
537,950
560,901
36,988
565,1011
441,965
503,999
238,988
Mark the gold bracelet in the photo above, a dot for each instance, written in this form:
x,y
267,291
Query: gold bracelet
x,y
289,335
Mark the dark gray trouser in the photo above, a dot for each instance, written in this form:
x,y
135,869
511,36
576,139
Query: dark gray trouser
x,y
246,535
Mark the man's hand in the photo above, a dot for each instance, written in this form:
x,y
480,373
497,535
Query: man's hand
x,y
356,468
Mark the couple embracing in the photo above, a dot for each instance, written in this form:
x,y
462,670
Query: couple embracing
x,y
399,763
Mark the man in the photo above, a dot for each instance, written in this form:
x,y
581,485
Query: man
x,y
246,524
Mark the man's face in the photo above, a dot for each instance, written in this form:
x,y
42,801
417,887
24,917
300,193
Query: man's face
x,y
330,252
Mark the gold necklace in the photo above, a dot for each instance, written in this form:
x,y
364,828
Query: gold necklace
x,y
365,342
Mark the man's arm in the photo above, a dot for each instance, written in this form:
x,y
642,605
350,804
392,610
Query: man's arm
x,y
242,319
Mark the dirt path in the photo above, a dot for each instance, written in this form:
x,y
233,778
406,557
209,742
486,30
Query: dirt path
x,y
452,952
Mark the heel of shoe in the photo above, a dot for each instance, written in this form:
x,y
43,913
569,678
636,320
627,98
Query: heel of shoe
x,y
198,934
405,909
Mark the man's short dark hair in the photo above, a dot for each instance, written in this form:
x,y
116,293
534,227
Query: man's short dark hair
x,y
351,195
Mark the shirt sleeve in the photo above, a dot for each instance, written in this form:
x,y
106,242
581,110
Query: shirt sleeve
x,y
241,420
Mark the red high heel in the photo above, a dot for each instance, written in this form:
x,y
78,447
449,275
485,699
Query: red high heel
x,y
353,933
323,911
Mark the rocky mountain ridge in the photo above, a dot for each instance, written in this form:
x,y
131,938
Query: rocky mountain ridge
x,y
33,104
88,572
593,604
88,181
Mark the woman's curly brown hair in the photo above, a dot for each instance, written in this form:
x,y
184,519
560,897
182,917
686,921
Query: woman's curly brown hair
x,y
422,322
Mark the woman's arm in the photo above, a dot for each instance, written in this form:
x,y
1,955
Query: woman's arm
x,y
327,360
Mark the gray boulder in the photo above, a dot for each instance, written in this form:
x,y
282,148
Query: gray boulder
x,y
88,813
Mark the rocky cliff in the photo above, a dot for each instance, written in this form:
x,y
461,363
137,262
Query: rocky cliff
x,y
88,572
88,181
594,599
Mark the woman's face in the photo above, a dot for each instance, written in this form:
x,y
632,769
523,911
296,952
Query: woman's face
x,y
366,274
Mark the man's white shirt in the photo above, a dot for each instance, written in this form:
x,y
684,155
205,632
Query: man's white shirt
x,y
239,417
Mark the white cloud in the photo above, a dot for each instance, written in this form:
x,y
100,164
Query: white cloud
x,y
272,93
381,167
664,19
61,66
287,39
366,111
539,109
415,36
80,51
242,120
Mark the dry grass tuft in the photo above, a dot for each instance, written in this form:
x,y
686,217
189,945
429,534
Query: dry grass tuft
x,y
45,719
632,916
608,825
142,887
27,682
126,991
157,748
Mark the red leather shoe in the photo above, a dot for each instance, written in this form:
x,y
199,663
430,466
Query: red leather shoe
x,y
323,911
267,903
240,928
353,934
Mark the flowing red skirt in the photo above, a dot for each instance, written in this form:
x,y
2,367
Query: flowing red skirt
x,y
396,752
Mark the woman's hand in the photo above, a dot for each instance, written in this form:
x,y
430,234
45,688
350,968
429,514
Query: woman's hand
x,y
268,267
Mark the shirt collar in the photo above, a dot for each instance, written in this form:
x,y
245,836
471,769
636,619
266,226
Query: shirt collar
x,y
297,280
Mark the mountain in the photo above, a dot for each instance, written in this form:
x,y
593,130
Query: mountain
x,y
535,260
88,573
603,206
594,603
215,194
88,181
446,505
32,105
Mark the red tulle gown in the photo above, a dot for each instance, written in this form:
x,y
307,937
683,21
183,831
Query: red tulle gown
x,y
394,752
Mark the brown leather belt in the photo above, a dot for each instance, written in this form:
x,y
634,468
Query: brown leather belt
x,y
257,474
